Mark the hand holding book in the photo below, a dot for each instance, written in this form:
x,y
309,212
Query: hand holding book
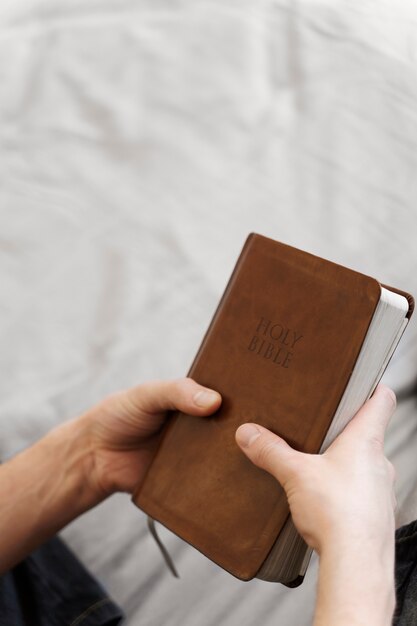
x,y
81,462
297,344
124,429
344,492
342,503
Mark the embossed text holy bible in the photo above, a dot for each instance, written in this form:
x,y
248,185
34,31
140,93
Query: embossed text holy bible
x,y
297,344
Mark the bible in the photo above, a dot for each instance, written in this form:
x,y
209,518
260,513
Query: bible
x,y
297,344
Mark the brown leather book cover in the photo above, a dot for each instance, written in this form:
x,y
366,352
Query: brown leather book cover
x,y
280,349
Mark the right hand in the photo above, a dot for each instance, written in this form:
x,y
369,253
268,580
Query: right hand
x,y
343,494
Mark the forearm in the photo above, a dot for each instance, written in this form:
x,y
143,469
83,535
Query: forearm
x,y
42,489
356,583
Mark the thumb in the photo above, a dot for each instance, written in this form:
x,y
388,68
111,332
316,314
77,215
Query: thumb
x,y
267,451
185,394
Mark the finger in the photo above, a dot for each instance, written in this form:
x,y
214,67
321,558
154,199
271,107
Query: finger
x,y
372,419
267,451
183,394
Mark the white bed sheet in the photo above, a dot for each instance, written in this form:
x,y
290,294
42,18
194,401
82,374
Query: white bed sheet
x,y
139,143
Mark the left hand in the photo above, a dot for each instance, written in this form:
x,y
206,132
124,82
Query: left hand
x,y
123,430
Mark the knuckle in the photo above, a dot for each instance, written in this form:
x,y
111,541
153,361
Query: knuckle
x,y
376,443
266,453
113,401
184,386
179,388
179,383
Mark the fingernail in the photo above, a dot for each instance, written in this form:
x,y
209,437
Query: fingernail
x,y
205,398
246,434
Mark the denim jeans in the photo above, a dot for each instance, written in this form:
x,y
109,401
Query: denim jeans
x,y
406,575
52,588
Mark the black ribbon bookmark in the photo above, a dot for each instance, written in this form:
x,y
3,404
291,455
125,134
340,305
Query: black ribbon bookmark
x,y
164,551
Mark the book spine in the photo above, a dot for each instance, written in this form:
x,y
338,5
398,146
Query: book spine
x,y
219,307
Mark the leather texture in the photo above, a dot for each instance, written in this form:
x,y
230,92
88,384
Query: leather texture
x,y
280,349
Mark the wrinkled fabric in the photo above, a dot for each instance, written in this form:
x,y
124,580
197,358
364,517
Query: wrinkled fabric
x,y
140,142
52,588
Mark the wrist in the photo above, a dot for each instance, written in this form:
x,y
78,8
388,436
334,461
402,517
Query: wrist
x,y
356,580
376,529
44,487
71,442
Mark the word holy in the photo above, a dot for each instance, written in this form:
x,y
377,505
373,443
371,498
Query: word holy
x,y
274,342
